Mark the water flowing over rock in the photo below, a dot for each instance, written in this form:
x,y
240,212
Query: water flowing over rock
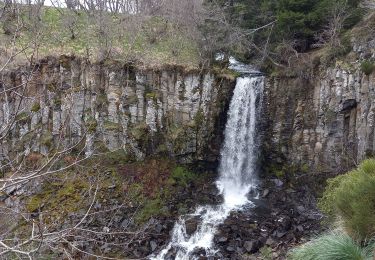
x,y
237,173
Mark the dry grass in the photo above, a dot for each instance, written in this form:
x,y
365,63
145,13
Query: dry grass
x,y
148,40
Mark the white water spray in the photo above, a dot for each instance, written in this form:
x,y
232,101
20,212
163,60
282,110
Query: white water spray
x,y
237,172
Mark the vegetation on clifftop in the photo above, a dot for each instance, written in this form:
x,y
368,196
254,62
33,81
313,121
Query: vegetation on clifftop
x,y
150,40
265,32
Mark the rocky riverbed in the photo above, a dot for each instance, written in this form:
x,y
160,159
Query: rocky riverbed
x,y
281,218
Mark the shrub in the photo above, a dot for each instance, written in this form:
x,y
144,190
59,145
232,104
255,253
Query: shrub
x,y
266,253
47,139
367,67
332,246
36,107
22,117
351,197
182,176
91,124
152,208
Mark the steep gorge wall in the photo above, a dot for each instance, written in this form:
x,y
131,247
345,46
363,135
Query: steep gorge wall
x,y
326,122
111,106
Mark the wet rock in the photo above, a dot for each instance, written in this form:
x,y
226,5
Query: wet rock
x,y
285,223
301,209
159,228
171,255
222,239
234,228
239,250
251,246
265,193
125,223
277,182
299,228
313,216
280,234
199,252
270,242
230,249
191,226
153,245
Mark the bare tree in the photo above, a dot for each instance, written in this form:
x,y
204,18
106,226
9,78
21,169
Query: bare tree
x,y
45,153
330,36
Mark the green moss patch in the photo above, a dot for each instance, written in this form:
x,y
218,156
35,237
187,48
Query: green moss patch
x,y
35,107
58,198
47,139
111,126
91,124
22,117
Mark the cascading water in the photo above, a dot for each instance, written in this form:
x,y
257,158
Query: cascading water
x,y
237,172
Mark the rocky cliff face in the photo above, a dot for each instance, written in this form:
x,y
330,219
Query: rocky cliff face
x,y
112,106
324,122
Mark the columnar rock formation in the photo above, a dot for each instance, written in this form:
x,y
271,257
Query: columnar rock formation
x,y
322,121
325,121
168,111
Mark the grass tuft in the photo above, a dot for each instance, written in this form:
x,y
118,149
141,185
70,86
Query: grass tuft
x,y
351,198
332,246
367,67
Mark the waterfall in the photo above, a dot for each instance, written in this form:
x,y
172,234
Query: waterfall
x,y
237,172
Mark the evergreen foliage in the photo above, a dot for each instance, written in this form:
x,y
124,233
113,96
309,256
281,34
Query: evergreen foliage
x,y
296,22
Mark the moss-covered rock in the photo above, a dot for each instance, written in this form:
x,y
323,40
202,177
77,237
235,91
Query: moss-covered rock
x,y
91,124
112,126
35,107
46,139
22,117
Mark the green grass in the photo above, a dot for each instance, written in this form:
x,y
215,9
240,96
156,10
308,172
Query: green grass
x,y
152,208
152,41
332,246
182,176
59,198
22,117
36,107
91,124
350,198
367,67
155,206
111,126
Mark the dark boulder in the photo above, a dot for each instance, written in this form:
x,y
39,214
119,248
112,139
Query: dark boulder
x,y
251,246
